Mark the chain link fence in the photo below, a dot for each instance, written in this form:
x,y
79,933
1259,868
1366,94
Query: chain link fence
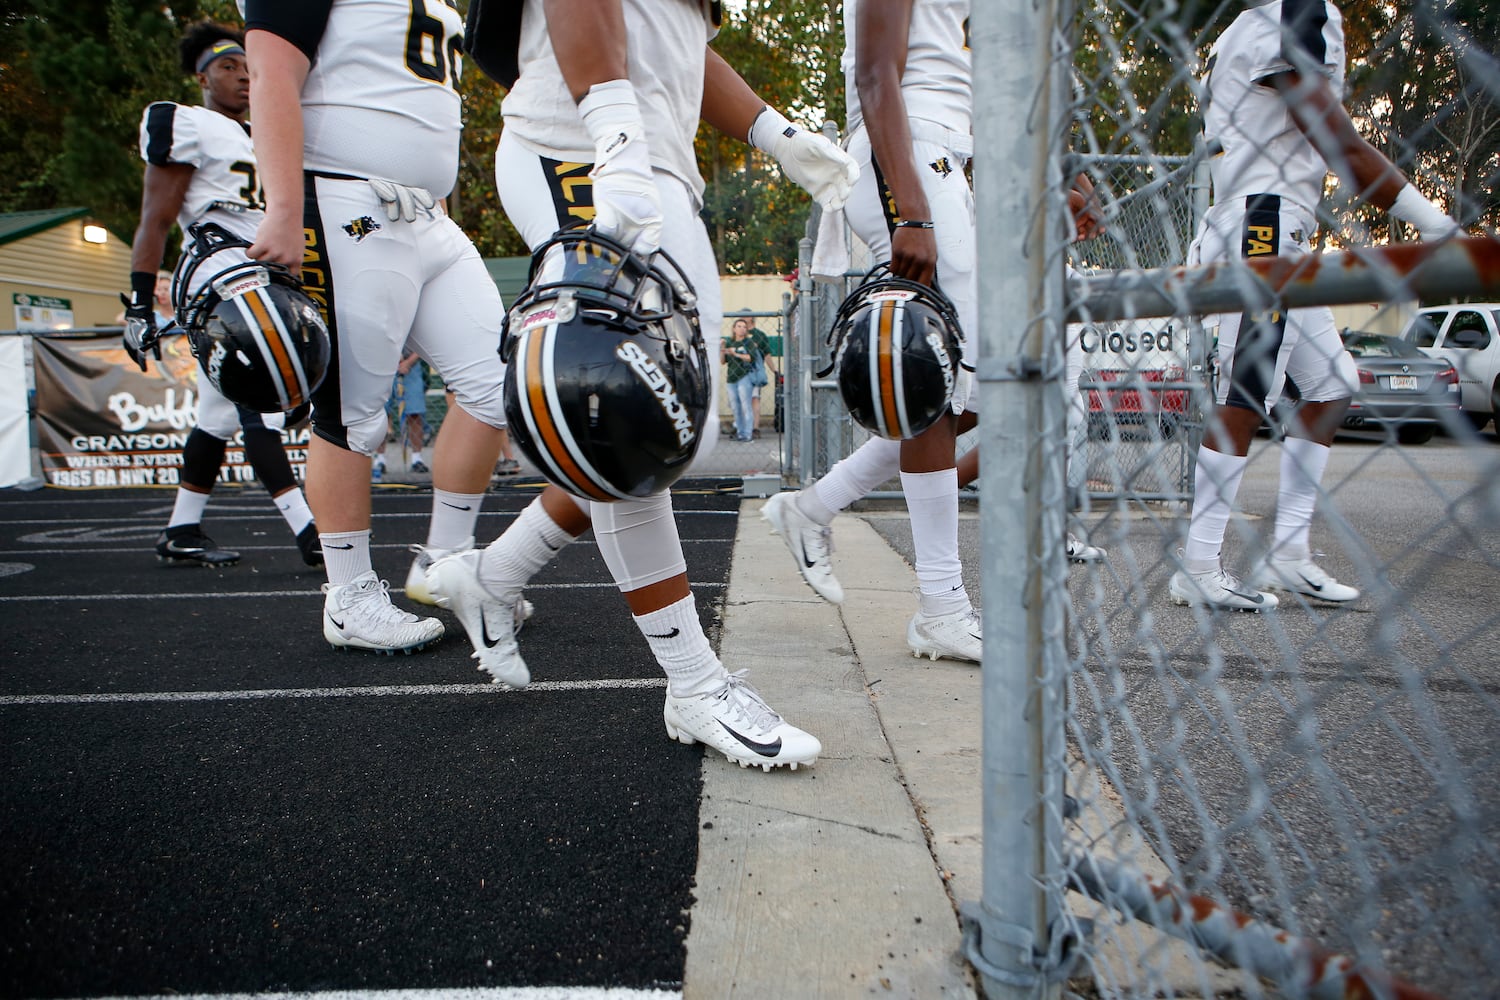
x,y
1182,801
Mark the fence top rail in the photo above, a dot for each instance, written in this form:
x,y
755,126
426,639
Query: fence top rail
x,y
76,332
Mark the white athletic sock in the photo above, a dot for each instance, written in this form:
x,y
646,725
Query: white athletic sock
x,y
346,555
416,456
1216,484
1302,465
932,501
293,507
453,518
531,542
811,507
679,645
871,464
188,509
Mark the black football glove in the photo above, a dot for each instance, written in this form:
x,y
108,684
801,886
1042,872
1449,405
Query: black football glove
x,y
141,334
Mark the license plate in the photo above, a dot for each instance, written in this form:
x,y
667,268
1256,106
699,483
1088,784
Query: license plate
x,y
1403,382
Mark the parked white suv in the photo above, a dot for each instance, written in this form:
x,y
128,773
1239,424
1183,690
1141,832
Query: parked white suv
x,y
1468,337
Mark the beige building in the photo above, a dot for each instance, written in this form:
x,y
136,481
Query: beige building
x,y
59,270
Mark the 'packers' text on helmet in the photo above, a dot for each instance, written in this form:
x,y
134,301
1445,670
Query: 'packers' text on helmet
x,y
897,349
257,336
608,385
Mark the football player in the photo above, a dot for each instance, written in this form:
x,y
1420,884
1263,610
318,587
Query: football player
x,y
599,128
358,141
907,85
200,167
1272,97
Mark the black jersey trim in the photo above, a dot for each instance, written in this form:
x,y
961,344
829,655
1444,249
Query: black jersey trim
x,y
159,122
300,23
1302,24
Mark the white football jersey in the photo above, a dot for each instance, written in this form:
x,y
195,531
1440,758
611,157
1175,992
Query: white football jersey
x,y
218,149
668,40
936,84
380,99
1264,151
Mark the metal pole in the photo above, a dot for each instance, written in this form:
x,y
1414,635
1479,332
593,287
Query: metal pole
x,y
807,356
1007,934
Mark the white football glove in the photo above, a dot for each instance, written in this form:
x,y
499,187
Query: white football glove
x,y
401,201
627,205
1411,206
821,169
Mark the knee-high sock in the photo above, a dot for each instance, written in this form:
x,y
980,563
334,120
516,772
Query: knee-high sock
x,y
932,501
531,542
1302,465
453,518
1216,484
871,464
679,644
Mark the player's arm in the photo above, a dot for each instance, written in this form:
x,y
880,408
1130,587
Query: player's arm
x,y
881,33
810,160
1083,204
1320,115
591,46
280,41
164,189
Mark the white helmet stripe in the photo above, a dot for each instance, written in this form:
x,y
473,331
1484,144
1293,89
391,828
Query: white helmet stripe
x,y
559,417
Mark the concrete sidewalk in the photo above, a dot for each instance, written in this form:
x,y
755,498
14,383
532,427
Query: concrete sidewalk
x,y
844,879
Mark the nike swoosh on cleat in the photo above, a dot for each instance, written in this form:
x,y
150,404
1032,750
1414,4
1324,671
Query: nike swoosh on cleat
x,y
1317,587
336,623
484,631
809,563
1257,597
764,749
172,546
331,545
670,635
456,506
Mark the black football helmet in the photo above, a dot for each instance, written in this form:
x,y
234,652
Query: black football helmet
x,y
897,347
607,384
257,336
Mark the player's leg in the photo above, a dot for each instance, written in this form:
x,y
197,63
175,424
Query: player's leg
x,y
183,539
261,433
1326,377
1251,366
371,289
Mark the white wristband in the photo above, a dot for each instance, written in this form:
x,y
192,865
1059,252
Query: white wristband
x,y
1411,206
608,109
769,126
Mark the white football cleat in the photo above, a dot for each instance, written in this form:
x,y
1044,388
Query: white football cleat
x,y
1301,576
1217,588
736,721
810,543
1080,551
360,615
489,619
416,577
957,636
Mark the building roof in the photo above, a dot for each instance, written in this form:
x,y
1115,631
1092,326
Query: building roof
x,y
19,225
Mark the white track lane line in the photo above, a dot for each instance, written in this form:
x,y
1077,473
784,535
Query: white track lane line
x,y
242,594
373,691
490,993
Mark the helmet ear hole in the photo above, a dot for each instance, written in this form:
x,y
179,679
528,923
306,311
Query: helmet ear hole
x,y
897,351
607,387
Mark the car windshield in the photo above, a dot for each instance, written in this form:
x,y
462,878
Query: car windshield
x,y
1374,345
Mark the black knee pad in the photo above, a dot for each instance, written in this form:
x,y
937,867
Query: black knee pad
x,y
201,457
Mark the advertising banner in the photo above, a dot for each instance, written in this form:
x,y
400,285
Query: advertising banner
x,y
102,422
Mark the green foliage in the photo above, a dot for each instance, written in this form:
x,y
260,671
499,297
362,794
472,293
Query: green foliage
x,y
788,52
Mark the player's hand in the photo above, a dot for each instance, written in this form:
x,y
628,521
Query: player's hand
x,y
914,254
400,201
140,334
627,205
279,241
816,165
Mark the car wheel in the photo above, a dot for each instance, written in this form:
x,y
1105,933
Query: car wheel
x,y
1415,433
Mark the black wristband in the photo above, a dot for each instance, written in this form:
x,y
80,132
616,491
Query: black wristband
x,y
143,290
914,224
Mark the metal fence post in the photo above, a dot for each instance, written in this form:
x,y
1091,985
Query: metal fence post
x,y
1008,935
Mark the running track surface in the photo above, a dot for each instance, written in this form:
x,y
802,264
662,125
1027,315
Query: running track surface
x,y
198,795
